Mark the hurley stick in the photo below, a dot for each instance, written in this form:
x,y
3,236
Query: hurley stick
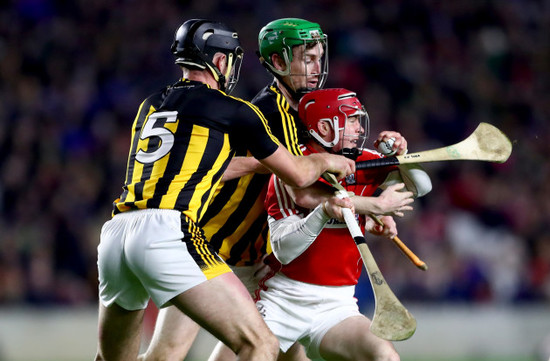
x,y
391,320
403,247
486,143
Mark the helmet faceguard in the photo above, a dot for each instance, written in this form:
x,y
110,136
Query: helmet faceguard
x,y
343,114
197,41
290,37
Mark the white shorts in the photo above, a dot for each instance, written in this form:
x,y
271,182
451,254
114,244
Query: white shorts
x,y
156,253
304,312
251,275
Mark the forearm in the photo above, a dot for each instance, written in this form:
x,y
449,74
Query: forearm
x,y
291,236
308,169
302,171
311,196
367,205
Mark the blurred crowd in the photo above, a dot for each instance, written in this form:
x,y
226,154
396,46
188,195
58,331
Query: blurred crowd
x,y
72,75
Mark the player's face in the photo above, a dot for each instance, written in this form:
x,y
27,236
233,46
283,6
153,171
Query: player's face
x,y
306,65
350,134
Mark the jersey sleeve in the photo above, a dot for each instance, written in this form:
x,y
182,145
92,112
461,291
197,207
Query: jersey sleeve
x,y
282,119
278,202
283,126
253,132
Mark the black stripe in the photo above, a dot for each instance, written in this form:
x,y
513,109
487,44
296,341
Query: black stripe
x,y
215,178
233,221
249,241
139,121
358,240
221,199
212,150
173,167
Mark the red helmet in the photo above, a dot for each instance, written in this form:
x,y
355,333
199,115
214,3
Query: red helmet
x,y
334,106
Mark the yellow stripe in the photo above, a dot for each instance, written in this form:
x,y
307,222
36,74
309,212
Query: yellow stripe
x,y
288,122
198,243
193,155
217,270
253,213
209,187
283,109
133,139
229,207
138,170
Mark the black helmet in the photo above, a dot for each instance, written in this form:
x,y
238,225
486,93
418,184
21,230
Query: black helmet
x,y
197,40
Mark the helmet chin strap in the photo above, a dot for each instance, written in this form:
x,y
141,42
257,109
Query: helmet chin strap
x,y
218,76
351,153
216,73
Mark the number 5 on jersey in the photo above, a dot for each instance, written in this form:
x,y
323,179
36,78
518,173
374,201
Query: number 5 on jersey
x,y
155,127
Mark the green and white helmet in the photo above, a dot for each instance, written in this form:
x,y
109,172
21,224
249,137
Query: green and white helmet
x,y
280,36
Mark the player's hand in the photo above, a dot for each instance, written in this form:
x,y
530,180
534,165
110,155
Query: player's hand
x,y
394,201
339,165
333,207
388,230
399,144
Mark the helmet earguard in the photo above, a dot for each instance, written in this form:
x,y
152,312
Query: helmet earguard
x,y
197,41
335,106
280,36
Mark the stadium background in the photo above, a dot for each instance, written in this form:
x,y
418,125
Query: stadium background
x,y
72,74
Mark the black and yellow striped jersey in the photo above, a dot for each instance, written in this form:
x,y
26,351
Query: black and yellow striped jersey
x,y
183,138
236,222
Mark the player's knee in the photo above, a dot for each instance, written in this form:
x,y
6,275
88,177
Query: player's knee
x,y
269,344
273,345
265,344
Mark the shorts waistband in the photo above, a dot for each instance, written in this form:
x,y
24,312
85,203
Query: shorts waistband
x,y
147,211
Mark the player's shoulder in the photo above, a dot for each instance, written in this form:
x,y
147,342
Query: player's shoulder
x,y
244,107
265,94
221,102
208,106
269,99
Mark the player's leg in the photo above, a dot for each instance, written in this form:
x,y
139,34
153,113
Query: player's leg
x,y
223,353
173,336
249,276
223,307
351,340
119,333
295,353
122,297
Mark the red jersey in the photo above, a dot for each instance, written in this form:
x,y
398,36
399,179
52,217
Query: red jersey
x,y
332,259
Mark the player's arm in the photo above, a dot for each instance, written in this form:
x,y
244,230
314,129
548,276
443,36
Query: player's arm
x,y
413,175
392,201
241,166
311,196
298,171
302,171
291,236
